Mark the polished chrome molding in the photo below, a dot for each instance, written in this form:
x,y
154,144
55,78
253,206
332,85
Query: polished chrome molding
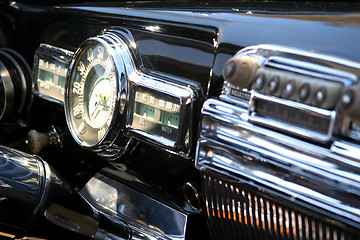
x,y
158,83
31,191
186,98
295,65
328,179
346,149
61,55
7,91
311,69
132,76
306,60
304,109
148,218
22,179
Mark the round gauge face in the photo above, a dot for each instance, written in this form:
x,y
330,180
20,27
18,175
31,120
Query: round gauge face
x,y
91,94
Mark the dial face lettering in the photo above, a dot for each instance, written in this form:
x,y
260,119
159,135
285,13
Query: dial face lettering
x,y
92,95
100,52
77,88
169,105
77,111
81,68
108,63
90,55
101,133
82,128
152,100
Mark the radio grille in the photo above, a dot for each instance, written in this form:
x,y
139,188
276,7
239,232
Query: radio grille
x,y
237,210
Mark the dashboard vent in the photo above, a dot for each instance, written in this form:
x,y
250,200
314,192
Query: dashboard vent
x,y
237,210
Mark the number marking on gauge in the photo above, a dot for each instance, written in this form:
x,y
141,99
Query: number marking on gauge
x,y
100,52
77,88
77,110
82,128
90,55
82,68
101,133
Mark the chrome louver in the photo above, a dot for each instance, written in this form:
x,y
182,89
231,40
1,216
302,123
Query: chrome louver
x,y
236,210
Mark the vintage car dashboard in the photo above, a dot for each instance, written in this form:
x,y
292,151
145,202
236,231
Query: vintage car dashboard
x,y
164,120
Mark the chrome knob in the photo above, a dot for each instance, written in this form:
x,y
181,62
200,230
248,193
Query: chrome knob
x,y
240,71
350,101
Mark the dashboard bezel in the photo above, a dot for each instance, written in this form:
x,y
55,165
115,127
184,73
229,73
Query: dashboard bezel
x,y
186,97
118,109
136,76
52,53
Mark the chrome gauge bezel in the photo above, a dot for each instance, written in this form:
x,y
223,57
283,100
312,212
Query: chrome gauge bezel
x,y
116,119
184,96
56,60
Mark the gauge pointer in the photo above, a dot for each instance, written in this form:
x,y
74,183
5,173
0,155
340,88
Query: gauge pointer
x,y
102,102
96,107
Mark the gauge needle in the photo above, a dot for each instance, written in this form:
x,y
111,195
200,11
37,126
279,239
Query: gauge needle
x,y
102,102
96,107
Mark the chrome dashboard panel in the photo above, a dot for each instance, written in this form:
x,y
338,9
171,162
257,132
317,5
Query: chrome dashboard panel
x,y
230,145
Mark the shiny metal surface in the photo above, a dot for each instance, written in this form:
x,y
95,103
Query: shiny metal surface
x,y
129,65
186,97
30,190
22,179
7,93
312,68
160,83
98,138
303,109
305,171
308,62
57,54
15,84
143,214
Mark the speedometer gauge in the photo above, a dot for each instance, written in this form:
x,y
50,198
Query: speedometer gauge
x,y
94,90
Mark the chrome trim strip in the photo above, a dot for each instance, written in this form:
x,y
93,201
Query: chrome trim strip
x,y
311,69
8,87
267,50
346,149
314,174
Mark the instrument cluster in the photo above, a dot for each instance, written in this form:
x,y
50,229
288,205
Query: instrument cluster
x,y
108,101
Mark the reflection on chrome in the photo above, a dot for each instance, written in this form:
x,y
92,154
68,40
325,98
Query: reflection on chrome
x,y
268,160
139,210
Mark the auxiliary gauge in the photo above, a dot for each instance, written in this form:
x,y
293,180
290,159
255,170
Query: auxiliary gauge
x,y
96,92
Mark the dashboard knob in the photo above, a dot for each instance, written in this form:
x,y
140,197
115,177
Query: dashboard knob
x,y
37,141
240,71
350,101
